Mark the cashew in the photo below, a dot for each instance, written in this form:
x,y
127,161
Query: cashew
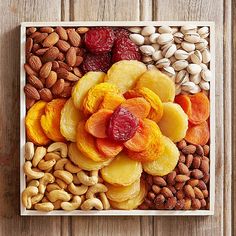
x,y
40,152
34,183
51,155
37,198
57,204
30,173
45,165
97,188
86,180
27,194
105,202
45,206
76,179
73,205
53,186
58,195
59,146
89,204
72,168
61,183
77,190
60,164
64,175
44,181
82,198
29,151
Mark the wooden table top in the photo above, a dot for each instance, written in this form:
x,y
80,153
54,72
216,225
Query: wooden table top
x,y
13,12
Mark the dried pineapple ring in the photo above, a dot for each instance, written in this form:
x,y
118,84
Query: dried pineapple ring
x,y
125,74
34,130
70,117
166,162
95,96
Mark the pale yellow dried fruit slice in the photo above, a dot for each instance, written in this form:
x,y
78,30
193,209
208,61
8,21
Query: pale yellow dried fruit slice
x,y
159,83
84,162
70,116
123,193
174,122
82,87
132,203
125,74
122,170
166,162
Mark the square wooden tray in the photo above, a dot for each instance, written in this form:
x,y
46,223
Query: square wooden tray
x,y
211,26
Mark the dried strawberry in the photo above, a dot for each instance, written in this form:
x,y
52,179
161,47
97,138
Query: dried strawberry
x,y
121,33
99,40
96,62
122,125
125,49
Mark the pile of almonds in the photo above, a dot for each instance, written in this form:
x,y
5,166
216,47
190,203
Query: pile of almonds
x,y
53,59
186,187
180,52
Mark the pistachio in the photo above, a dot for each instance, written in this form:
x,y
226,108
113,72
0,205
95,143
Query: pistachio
x,y
195,78
151,67
187,86
169,71
147,59
194,69
195,89
157,55
148,30
178,37
153,38
204,66
147,40
192,37
172,59
189,47
135,30
147,49
188,28
181,54
165,38
204,85
182,77
169,51
206,75
165,29
201,44
164,62
137,39
196,57
156,46
180,65
206,56
203,32
177,89
174,30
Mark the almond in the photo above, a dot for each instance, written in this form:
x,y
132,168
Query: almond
x,y
28,45
71,56
62,73
66,92
205,193
196,174
151,195
172,189
179,204
189,160
41,51
45,70
206,150
196,204
199,150
35,47
79,60
193,182
35,63
58,87
183,169
34,81
170,203
74,37
40,37
189,149
196,162
159,200
29,70
62,33
35,34
72,77
171,178
63,46
31,92
182,158
187,204
204,166
55,65
29,102
45,95
61,57
179,185
203,203
206,178
181,178
50,40
64,65
77,72
30,30
156,189
189,192
82,30
201,185
159,181
51,79
181,144
51,54
46,30
198,193
180,194
166,192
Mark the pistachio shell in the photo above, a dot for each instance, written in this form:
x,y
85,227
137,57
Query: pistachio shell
x,y
206,56
182,77
206,75
169,52
157,55
195,89
164,62
203,32
135,30
169,71
156,46
147,59
151,67
165,38
192,37
196,57
194,69
147,49
188,28
201,44
177,89
195,78
153,37
189,47
137,39
180,65
181,54
204,85
178,37
164,29
187,86
148,30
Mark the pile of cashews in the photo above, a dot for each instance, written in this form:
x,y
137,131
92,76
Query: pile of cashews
x,y
53,182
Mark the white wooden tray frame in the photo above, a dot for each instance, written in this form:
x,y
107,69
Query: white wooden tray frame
x,y
24,211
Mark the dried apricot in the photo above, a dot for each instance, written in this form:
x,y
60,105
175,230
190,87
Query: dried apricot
x,y
34,130
50,122
111,101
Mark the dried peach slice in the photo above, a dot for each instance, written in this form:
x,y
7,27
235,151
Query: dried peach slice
x,y
156,111
166,162
122,171
86,143
111,101
95,96
159,83
123,193
174,122
50,122
85,163
155,145
125,74
82,87
34,130
132,203
70,116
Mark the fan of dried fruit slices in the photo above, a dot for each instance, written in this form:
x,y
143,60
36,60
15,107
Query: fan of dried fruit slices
x,y
117,118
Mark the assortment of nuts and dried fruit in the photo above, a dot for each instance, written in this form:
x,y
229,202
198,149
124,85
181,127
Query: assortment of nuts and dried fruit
x,y
117,118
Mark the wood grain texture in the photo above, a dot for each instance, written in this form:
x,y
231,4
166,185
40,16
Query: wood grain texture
x,y
12,13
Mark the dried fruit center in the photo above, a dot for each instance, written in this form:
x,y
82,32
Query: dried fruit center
x,y
122,126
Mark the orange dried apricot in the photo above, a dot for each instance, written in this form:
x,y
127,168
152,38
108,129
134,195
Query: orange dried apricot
x,y
111,101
